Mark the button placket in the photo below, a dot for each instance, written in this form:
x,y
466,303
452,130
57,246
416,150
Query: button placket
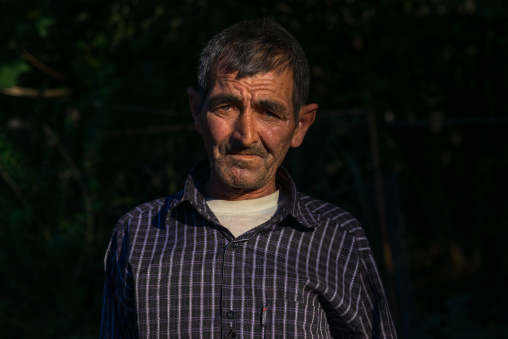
x,y
230,266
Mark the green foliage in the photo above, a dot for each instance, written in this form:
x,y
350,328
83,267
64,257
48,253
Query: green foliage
x,y
72,164
9,73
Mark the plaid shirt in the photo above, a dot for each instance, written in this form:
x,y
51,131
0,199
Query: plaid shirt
x,y
173,271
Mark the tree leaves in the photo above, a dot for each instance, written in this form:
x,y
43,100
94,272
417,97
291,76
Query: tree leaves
x,y
10,72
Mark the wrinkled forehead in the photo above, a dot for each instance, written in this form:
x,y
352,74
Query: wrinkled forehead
x,y
275,82
220,70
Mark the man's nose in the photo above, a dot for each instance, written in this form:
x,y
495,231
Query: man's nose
x,y
245,128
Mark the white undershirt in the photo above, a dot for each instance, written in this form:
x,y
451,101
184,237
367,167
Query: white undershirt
x,y
240,216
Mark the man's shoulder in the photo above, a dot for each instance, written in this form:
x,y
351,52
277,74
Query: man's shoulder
x,y
327,213
149,210
330,219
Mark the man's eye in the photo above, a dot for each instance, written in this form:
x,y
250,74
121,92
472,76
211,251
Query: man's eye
x,y
271,114
223,108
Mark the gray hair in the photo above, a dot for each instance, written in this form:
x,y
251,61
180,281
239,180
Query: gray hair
x,y
253,47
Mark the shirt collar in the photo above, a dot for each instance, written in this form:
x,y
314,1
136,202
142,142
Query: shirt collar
x,y
199,175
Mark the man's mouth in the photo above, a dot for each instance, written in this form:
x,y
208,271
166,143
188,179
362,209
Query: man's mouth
x,y
245,156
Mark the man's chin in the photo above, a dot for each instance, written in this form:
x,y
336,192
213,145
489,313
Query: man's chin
x,y
241,177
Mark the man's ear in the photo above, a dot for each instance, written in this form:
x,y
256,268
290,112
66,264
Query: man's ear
x,y
194,101
305,120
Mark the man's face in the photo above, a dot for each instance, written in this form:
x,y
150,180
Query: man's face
x,y
248,126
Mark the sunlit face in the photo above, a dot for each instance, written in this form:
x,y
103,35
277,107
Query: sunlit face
x,y
248,126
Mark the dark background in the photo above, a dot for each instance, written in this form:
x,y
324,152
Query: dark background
x,y
410,138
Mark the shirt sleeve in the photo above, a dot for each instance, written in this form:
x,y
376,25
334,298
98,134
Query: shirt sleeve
x,y
110,324
363,310
375,310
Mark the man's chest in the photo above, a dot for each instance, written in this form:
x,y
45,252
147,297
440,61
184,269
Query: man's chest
x,y
190,279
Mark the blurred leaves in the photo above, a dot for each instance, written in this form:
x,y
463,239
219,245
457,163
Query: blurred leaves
x,y
9,73
119,136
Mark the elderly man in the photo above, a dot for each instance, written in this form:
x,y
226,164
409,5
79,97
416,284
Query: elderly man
x,y
239,253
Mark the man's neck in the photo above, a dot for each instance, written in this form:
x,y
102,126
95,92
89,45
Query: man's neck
x,y
241,216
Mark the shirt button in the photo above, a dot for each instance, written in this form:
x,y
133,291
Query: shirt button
x,y
230,315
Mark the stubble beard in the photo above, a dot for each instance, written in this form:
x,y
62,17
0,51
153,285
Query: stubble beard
x,y
241,174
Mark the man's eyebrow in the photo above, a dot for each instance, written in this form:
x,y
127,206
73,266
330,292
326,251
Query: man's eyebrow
x,y
220,99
